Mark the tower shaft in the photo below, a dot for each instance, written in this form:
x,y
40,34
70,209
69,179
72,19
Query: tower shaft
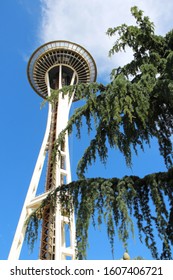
x,y
52,66
58,229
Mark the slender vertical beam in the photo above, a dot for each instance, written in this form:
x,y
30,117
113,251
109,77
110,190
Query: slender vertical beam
x,y
27,210
64,223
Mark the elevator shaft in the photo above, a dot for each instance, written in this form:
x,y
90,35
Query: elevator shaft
x,y
57,229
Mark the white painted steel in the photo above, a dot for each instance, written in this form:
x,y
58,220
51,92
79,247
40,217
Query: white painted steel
x,y
32,201
61,249
26,211
83,68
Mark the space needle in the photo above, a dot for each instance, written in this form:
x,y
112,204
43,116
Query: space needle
x,y
52,66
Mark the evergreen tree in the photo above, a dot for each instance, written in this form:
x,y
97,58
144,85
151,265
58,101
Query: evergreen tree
x,y
136,106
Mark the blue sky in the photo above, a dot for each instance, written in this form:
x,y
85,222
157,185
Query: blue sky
x,y
24,26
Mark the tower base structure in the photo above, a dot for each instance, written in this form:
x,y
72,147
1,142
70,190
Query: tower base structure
x,y
52,66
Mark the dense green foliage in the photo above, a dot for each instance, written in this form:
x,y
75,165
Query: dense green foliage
x,y
138,102
115,201
134,107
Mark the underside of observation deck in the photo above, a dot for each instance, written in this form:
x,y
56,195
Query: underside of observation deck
x,y
60,52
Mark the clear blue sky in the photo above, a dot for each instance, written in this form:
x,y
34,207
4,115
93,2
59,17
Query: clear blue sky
x,y
24,25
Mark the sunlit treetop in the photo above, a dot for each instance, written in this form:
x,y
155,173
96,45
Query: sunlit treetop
x,y
137,104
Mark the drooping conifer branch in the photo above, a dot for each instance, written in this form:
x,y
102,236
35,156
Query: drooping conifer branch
x,y
115,202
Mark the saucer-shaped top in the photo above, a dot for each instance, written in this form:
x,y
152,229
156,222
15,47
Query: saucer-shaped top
x,y
55,53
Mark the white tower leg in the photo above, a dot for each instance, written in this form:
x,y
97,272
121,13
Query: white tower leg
x,y
31,201
62,173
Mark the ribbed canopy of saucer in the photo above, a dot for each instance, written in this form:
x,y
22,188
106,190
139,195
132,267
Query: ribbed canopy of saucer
x,y
55,53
